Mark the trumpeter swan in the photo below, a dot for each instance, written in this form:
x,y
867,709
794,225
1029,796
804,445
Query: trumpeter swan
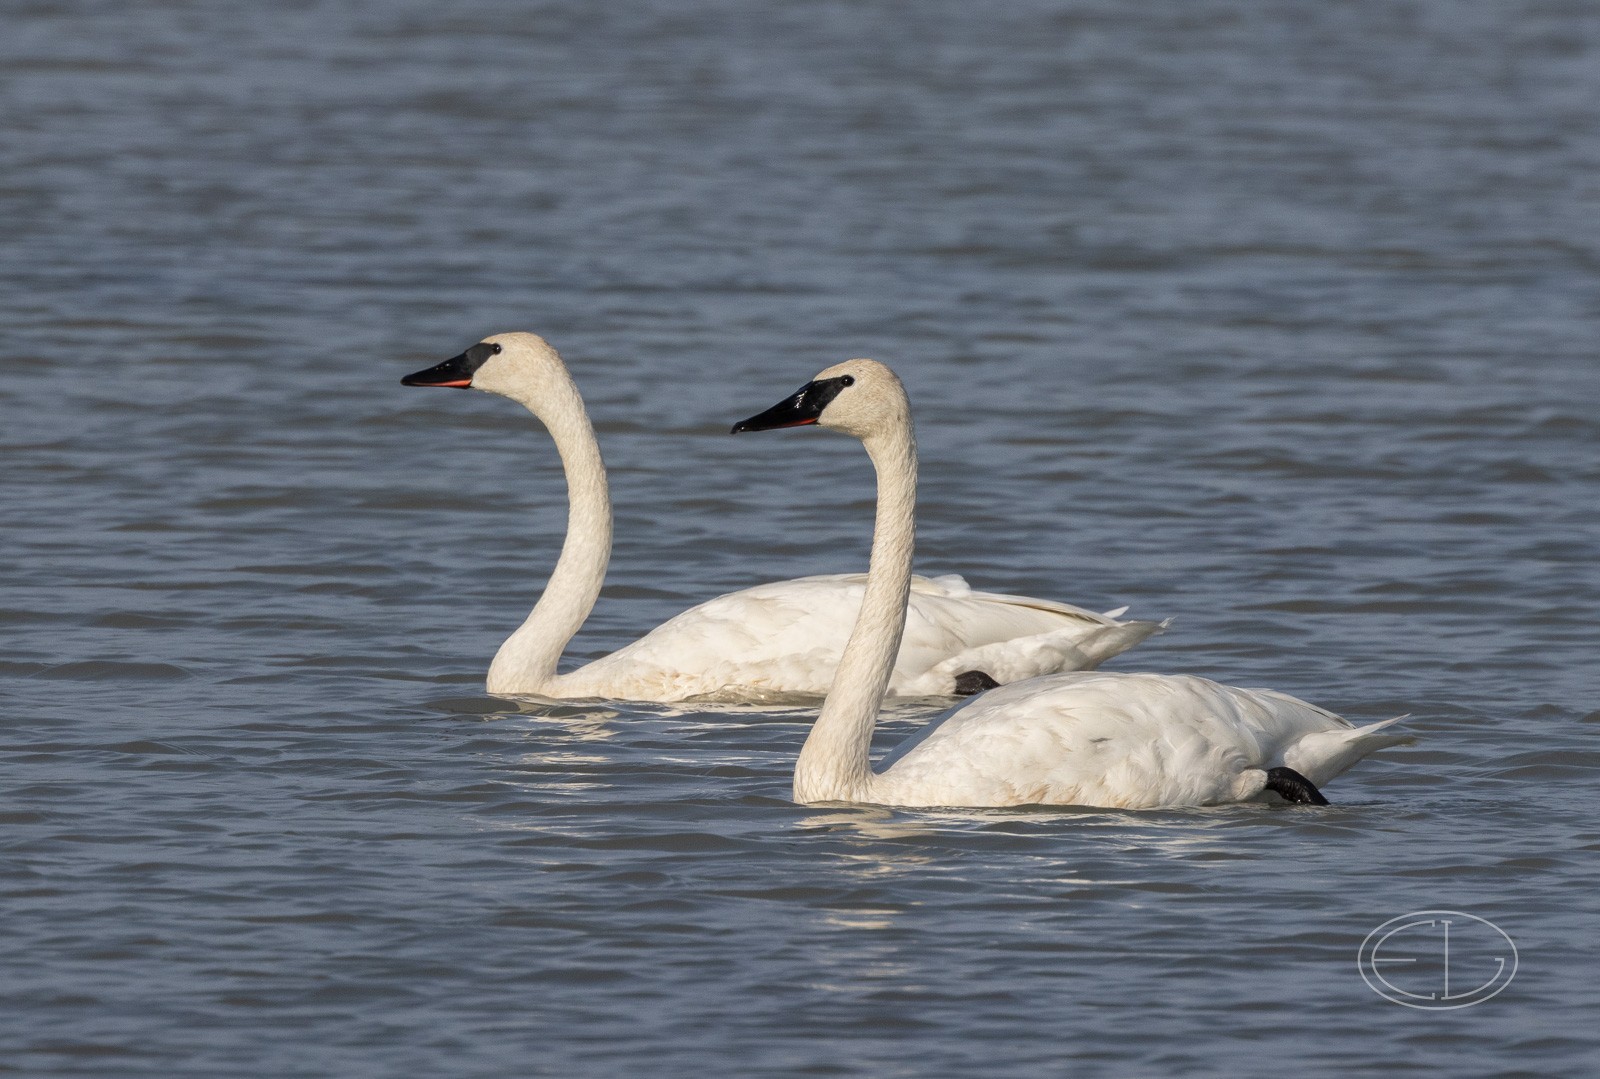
x,y
1119,740
782,638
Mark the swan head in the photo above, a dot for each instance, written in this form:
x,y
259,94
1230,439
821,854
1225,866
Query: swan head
x,y
515,365
858,397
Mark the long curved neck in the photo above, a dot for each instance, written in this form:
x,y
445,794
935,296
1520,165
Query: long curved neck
x,y
526,662
835,764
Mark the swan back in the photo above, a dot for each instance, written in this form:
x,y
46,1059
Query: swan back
x,y
1126,741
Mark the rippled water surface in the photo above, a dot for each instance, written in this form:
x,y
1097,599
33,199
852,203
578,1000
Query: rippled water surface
x,y
1276,319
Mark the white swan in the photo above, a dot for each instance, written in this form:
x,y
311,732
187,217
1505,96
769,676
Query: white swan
x,y
1120,740
783,638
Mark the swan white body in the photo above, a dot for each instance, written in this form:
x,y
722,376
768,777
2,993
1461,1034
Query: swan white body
x,y
1093,739
774,639
787,637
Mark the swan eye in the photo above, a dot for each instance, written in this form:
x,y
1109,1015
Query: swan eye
x,y
847,380
495,349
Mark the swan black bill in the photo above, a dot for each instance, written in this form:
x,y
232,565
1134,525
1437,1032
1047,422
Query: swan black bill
x,y
457,371
803,408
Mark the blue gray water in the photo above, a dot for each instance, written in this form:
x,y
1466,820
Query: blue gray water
x,y
1276,319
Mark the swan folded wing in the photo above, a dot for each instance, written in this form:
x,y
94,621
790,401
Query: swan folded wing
x,y
770,638
787,637
804,624
782,637
952,586
956,588
1028,745
1122,741
980,617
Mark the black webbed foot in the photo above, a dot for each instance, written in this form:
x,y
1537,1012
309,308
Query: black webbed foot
x,y
1294,787
970,682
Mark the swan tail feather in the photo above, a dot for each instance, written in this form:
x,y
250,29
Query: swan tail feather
x,y
1326,754
1045,653
1101,644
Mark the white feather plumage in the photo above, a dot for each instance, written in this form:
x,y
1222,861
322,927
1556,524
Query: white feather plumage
x,y
774,639
1093,739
